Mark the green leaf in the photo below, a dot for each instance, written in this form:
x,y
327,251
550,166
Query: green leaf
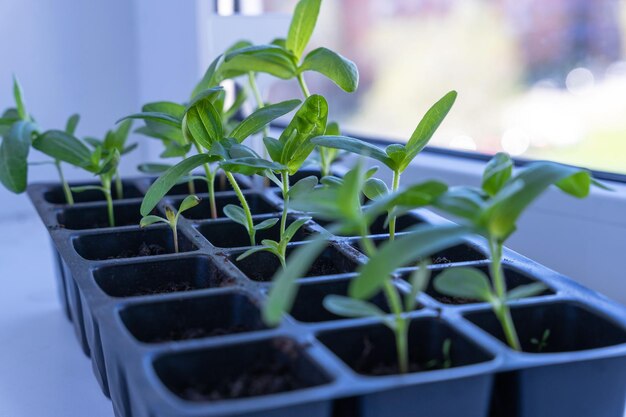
x,y
375,188
19,100
302,26
254,250
265,224
210,77
110,164
423,241
354,146
212,94
464,282
63,146
497,173
151,219
284,286
261,118
170,178
274,148
153,168
269,59
189,202
155,116
528,290
351,307
162,130
427,127
250,166
236,214
204,123
396,152
507,205
464,202
308,122
14,156
302,187
175,150
332,129
72,122
293,228
337,68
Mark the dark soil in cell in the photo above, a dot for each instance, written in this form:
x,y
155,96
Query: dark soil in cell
x,y
199,332
261,379
368,365
145,249
454,300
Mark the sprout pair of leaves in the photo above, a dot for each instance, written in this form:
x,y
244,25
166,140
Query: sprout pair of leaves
x,y
493,211
203,126
396,157
283,58
171,218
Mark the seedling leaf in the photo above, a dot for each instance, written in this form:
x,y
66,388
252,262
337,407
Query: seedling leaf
x,y
464,282
261,117
337,68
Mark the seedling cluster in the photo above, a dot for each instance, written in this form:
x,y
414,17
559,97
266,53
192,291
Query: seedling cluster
x,y
204,133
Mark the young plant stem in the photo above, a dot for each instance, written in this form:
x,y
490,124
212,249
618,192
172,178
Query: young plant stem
x,y
395,304
392,220
324,162
174,228
501,309
69,198
210,178
106,189
119,187
303,86
244,206
285,190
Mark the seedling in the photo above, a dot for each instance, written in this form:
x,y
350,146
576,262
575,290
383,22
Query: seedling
x,y
493,211
541,343
171,218
340,202
202,126
396,156
279,249
18,129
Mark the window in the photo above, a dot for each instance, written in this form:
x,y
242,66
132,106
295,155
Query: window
x,y
536,78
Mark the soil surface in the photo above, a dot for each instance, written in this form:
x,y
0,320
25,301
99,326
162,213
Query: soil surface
x,y
453,300
367,365
199,332
144,249
152,288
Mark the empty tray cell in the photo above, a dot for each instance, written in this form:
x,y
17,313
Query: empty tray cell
x,y
159,277
402,223
56,195
192,318
261,266
201,186
228,234
371,350
554,327
130,244
513,277
455,254
202,211
308,306
239,371
79,218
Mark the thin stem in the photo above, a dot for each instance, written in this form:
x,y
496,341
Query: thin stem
x,y
66,187
106,185
303,86
175,236
392,220
285,189
210,178
501,309
366,242
119,187
401,328
257,96
244,206
324,161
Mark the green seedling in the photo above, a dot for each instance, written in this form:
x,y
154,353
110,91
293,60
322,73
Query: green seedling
x,y
18,130
493,211
446,361
340,201
171,218
203,127
541,343
288,153
396,157
115,139
279,249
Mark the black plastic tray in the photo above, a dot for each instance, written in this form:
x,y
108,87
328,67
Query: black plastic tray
x,y
120,319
